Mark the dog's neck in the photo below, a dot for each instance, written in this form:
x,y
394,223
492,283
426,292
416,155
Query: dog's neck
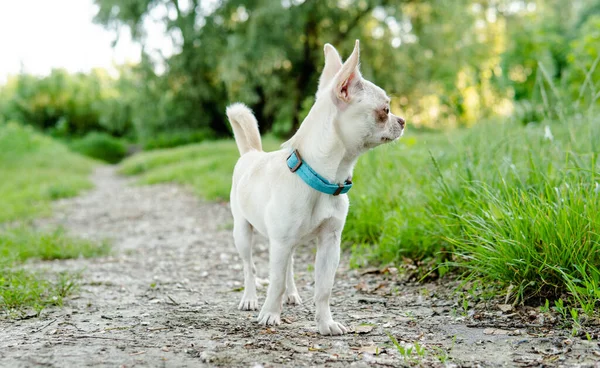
x,y
321,147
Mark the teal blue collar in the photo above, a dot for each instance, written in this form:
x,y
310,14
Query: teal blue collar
x,y
314,180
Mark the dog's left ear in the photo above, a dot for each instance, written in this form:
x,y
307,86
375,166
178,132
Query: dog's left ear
x,y
333,64
348,77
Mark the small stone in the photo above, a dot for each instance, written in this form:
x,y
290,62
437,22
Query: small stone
x,y
392,270
369,350
364,329
204,357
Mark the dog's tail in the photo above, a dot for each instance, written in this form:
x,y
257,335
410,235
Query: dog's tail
x,y
245,128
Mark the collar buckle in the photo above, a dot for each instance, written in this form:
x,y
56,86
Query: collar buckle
x,y
338,190
298,164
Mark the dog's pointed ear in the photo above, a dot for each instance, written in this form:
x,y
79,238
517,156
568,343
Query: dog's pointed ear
x,y
333,64
348,77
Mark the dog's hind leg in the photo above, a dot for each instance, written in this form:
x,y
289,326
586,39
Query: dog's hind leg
x,y
279,259
291,293
242,235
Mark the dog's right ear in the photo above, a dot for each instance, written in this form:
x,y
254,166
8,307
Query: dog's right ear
x,y
348,78
333,64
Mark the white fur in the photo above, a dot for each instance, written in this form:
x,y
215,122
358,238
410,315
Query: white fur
x,y
345,121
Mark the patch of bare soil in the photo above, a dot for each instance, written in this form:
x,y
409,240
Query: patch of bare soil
x,y
167,296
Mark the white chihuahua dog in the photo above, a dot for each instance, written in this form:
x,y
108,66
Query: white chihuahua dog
x,y
296,194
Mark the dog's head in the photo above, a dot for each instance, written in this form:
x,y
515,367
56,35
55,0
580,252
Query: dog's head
x,y
363,118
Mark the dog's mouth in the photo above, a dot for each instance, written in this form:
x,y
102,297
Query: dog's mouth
x,y
389,139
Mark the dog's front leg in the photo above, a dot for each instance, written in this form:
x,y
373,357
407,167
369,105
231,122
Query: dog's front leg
x,y
291,292
279,258
328,258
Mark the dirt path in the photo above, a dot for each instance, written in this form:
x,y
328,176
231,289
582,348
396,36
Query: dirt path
x,y
168,296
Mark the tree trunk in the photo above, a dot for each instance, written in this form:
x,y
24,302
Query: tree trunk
x,y
306,70
265,123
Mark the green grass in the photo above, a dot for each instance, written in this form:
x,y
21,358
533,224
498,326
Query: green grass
x,y
505,201
20,244
35,170
22,290
206,167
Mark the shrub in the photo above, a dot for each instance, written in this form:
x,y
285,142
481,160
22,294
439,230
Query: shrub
x,y
100,146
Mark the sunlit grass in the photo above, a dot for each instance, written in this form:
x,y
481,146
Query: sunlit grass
x,y
34,170
206,167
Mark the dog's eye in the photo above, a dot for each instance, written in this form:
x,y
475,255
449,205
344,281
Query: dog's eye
x,y
386,110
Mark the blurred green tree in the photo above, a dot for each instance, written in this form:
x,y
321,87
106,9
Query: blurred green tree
x,y
552,49
444,62
269,54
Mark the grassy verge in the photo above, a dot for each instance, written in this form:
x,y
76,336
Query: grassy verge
x,y
516,205
20,244
205,167
22,290
35,170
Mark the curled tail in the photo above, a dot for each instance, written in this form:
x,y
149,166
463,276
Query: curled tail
x,y
245,128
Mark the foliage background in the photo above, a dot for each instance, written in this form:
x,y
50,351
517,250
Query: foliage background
x,y
446,63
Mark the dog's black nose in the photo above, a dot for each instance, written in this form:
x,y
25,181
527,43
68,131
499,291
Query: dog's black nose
x,y
401,122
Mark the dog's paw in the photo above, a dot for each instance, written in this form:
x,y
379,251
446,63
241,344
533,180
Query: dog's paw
x,y
293,299
331,327
269,318
247,304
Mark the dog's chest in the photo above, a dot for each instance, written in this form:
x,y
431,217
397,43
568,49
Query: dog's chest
x,y
326,214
